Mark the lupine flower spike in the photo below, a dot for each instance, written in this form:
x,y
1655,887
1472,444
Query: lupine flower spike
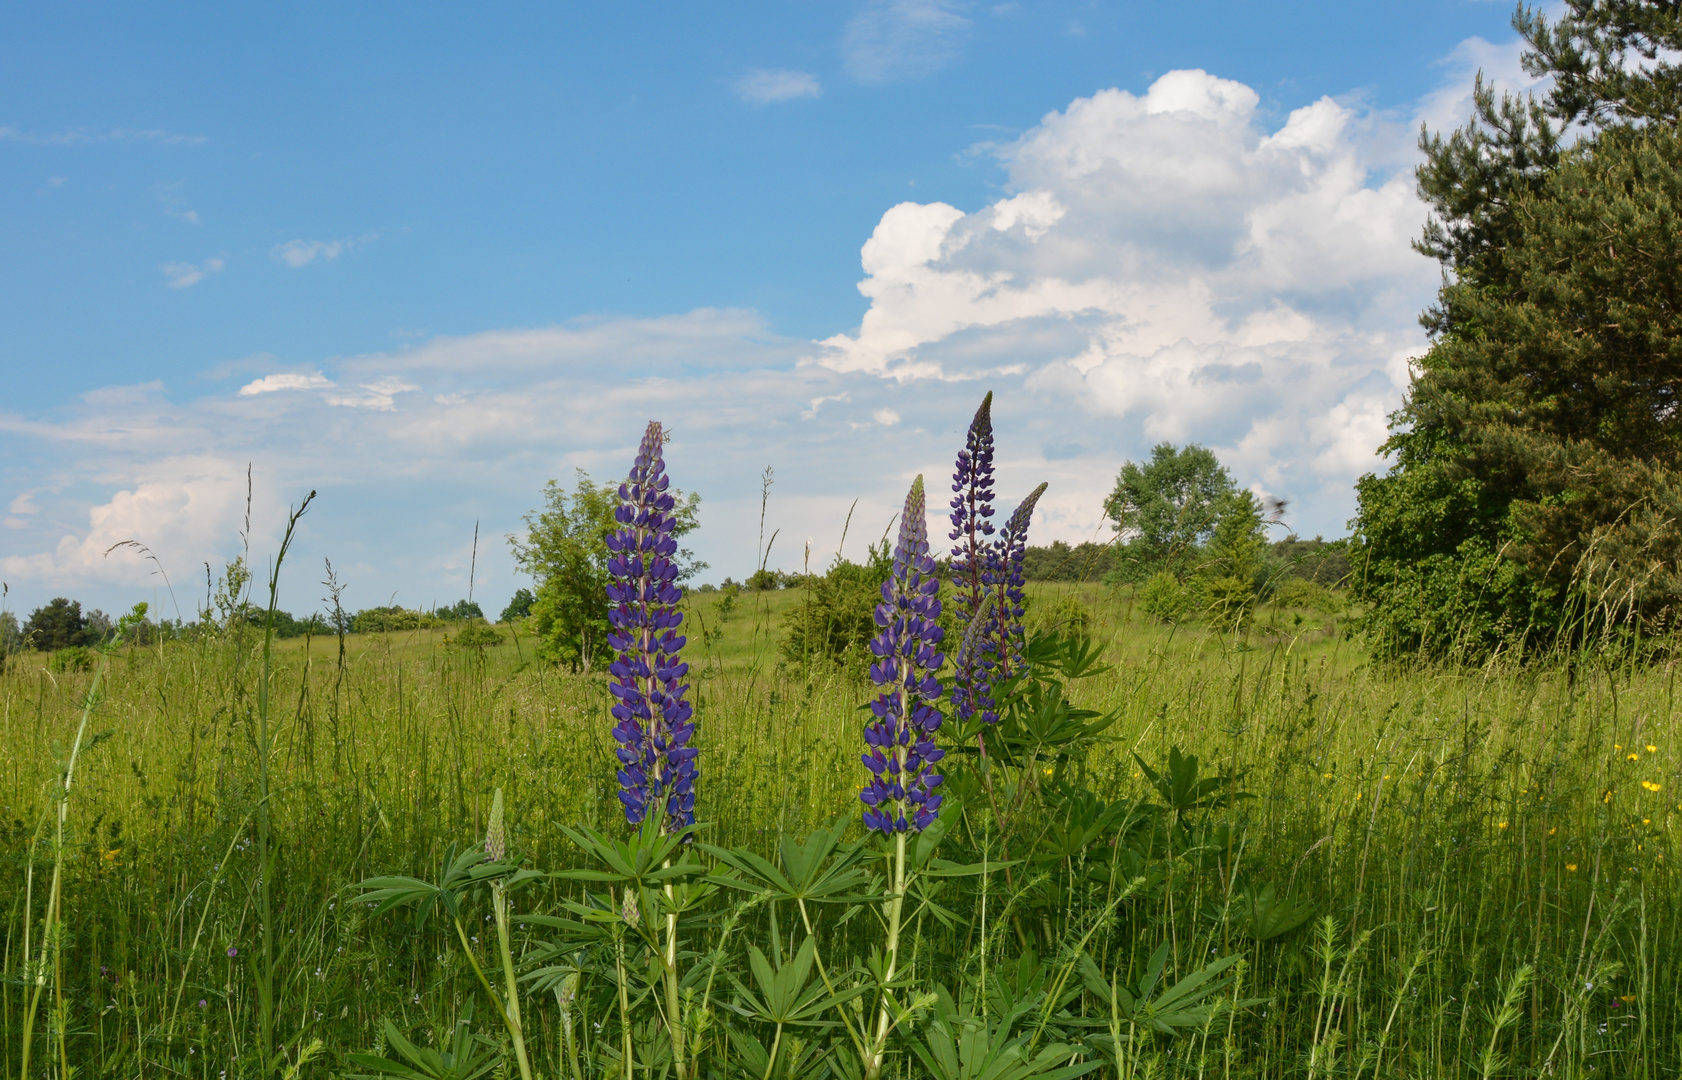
x,y
901,794
1013,549
973,565
655,724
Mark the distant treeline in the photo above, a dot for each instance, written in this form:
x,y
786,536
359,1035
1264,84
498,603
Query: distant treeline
x,y
1324,562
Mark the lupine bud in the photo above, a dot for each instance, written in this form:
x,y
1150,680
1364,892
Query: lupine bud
x,y
628,909
1013,549
901,793
655,724
973,564
496,840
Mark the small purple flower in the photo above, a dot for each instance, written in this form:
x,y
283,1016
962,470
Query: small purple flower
x,y
1013,548
974,566
657,765
232,951
202,1003
901,793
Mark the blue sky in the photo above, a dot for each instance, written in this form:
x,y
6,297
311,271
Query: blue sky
x,y
424,258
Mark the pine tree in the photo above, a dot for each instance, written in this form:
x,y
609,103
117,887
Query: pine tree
x,y
1533,491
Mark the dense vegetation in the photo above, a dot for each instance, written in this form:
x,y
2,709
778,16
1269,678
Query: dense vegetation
x,y
1417,846
1534,498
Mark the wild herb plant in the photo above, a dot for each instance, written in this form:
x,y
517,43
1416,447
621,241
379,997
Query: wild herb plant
x,y
1187,856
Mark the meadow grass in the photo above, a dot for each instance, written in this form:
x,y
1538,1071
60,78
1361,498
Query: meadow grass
x,y
1487,852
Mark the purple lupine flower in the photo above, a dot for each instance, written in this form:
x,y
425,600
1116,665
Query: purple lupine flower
x,y
657,765
974,565
901,793
1012,549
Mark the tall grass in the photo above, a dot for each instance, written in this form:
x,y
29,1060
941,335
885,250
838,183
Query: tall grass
x,y
1486,854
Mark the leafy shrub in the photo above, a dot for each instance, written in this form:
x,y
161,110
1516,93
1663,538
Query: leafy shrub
x,y
475,636
1232,600
1165,597
388,619
1064,615
834,623
73,658
1302,593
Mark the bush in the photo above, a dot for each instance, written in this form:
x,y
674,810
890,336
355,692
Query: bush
x,y
387,619
1232,600
475,636
1165,597
1064,615
836,620
1303,593
73,658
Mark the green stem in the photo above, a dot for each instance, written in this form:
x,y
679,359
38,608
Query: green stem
x,y
51,932
896,907
674,1017
776,1042
516,1026
624,1000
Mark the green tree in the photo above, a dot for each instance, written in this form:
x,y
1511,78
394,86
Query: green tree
x,y
60,624
1167,506
1534,490
565,552
519,606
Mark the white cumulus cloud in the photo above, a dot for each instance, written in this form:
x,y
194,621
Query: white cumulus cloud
x,y
300,253
1166,267
287,381
185,275
763,86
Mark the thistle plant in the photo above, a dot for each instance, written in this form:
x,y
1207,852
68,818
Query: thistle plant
x,y
657,765
974,563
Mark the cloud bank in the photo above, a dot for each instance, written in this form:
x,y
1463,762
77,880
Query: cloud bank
x,y
1172,264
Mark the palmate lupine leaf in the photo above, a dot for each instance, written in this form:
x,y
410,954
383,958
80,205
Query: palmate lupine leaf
x,y
1181,789
820,868
970,1047
467,1058
1188,1004
786,994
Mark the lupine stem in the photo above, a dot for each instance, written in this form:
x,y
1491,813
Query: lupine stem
x,y
896,910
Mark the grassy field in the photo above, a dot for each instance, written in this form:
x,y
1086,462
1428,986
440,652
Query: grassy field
x,y
1487,854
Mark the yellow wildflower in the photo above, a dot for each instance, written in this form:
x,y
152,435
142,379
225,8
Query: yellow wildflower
x,y
1571,866
1632,757
1650,785
1503,825
1651,749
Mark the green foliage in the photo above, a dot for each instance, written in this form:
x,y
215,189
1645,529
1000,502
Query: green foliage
x,y
1165,597
383,764
459,611
475,636
565,552
1536,487
519,606
71,658
59,624
836,617
1061,562
391,619
1534,497
1167,505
